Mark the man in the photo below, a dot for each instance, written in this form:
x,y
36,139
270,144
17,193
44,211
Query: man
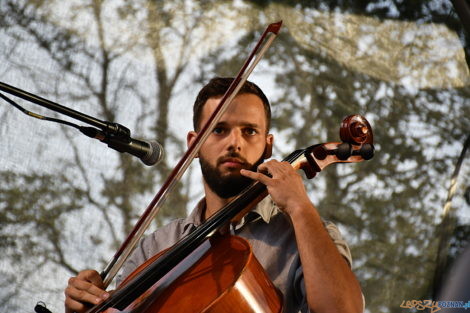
x,y
305,258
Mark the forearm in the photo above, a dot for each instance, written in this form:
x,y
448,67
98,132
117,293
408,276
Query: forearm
x,y
329,282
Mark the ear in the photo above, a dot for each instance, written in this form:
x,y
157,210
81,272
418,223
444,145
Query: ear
x,y
268,150
190,139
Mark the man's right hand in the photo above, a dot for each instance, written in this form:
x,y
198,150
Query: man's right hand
x,y
84,290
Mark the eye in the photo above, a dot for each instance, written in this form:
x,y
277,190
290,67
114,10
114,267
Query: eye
x,y
250,131
218,130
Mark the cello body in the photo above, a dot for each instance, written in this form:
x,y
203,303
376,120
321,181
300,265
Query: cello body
x,y
222,275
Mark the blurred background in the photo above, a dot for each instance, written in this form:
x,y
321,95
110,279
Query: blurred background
x,y
67,201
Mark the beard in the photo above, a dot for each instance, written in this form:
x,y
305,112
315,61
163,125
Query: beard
x,y
229,185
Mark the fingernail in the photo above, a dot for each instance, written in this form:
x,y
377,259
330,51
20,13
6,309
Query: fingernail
x,y
105,296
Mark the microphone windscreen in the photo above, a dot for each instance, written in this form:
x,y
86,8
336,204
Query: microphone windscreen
x,y
154,155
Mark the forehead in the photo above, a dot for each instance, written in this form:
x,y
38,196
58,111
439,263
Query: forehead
x,y
244,109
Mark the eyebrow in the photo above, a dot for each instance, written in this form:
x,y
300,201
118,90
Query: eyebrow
x,y
244,124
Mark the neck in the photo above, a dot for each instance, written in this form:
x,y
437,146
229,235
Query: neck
x,y
213,202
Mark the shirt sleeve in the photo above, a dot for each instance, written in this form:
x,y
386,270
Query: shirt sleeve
x,y
338,240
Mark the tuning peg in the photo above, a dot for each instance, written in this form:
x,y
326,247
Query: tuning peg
x,y
344,151
367,151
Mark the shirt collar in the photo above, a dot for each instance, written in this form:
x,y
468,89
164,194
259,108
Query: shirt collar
x,y
195,218
264,210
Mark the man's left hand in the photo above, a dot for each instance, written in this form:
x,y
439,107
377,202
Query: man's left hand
x,y
285,185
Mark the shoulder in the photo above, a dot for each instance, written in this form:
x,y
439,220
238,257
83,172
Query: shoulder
x,y
164,237
281,224
161,239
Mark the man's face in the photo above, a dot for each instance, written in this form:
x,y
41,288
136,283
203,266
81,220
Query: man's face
x,y
239,140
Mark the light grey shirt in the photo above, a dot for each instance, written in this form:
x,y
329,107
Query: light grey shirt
x,y
271,235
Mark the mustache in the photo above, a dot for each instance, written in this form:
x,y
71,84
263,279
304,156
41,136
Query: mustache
x,y
231,156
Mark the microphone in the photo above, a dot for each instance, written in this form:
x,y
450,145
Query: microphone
x,y
149,152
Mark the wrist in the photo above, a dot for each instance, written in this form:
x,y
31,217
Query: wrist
x,y
299,210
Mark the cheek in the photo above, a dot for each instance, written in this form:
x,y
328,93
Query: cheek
x,y
206,152
255,153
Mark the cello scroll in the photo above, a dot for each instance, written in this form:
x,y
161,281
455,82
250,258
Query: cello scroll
x,y
356,146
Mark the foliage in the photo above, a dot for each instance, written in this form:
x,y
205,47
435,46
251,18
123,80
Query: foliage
x,y
387,208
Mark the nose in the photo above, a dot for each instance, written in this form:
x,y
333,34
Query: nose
x,y
235,140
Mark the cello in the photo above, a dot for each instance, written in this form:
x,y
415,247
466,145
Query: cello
x,y
225,264
145,290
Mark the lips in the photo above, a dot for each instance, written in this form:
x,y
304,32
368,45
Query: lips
x,y
232,162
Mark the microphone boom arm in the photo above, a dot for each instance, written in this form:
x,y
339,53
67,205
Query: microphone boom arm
x,y
108,128
116,136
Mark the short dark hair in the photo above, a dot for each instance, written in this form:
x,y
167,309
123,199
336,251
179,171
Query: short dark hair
x,y
217,87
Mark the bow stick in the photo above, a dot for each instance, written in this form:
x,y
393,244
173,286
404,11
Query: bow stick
x,y
143,223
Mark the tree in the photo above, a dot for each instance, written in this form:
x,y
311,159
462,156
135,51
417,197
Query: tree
x,y
387,206
94,66
333,58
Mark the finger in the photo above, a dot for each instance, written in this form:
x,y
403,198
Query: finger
x,y
266,165
90,287
72,306
275,168
84,291
262,178
91,276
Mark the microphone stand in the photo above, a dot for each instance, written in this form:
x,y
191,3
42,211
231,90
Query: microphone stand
x,y
111,133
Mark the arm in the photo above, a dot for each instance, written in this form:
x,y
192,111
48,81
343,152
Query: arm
x,y
329,282
84,290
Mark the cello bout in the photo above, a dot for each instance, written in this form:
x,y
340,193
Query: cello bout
x,y
225,277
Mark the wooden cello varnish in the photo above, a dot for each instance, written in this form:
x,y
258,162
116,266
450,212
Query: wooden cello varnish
x,y
226,277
